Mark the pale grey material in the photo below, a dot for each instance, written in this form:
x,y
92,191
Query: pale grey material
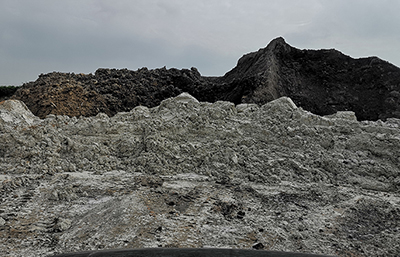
x,y
194,174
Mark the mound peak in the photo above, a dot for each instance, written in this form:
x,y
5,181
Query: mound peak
x,y
320,81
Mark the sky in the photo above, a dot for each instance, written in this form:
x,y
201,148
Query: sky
x,y
42,36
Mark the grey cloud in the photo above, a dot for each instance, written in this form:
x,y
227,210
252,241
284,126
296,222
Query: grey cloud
x,y
80,36
358,28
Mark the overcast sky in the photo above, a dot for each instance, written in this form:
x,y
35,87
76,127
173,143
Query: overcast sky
x,y
41,36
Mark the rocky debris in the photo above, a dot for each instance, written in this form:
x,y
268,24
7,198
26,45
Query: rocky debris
x,y
197,174
320,81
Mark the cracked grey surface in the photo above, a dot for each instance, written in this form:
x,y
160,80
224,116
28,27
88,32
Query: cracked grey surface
x,y
194,174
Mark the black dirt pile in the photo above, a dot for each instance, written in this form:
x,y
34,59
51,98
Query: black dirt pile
x,y
320,81
7,91
111,90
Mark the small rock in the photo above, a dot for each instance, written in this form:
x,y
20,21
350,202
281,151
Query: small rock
x,y
258,246
61,224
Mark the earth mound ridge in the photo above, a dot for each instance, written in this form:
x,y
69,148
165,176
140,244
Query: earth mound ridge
x,y
188,173
320,81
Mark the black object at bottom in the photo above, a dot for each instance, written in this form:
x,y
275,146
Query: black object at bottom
x,y
183,252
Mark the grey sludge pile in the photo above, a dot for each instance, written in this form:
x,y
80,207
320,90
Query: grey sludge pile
x,y
196,174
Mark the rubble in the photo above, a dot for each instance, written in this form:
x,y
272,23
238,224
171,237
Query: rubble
x,y
195,174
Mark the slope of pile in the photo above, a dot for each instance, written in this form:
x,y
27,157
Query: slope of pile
x,y
320,81
109,91
197,174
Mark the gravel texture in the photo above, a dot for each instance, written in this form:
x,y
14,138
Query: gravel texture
x,y
197,174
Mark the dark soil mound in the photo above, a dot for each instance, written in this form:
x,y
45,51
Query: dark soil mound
x,y
7,91
110,90
320,81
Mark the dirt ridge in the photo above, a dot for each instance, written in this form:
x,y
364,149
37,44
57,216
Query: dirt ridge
x,y
320,81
